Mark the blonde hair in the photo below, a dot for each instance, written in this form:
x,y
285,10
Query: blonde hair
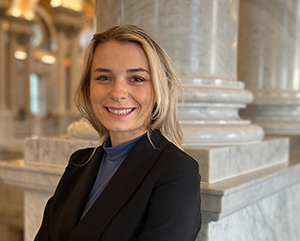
x,y
165,83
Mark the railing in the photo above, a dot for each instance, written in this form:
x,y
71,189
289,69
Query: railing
x,y
21,129
14,132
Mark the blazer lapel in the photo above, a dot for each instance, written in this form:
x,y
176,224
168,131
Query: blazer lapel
x,y
123,184
70,214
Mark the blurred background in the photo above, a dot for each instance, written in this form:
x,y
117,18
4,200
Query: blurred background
x,y
42,44
239,64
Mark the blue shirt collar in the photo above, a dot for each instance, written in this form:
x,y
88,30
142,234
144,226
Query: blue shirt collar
x,y
116,152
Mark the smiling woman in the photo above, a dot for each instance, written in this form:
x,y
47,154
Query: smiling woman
x,y
121,90
138,185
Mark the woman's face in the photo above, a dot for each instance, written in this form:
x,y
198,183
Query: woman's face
x,y
121,89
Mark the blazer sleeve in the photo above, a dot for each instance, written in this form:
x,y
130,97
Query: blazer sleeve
x,y
174,208
43,233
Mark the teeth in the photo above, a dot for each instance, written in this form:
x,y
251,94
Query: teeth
x,y
119,112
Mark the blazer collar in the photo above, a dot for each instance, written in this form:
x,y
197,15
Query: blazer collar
x,y
67,216
123,184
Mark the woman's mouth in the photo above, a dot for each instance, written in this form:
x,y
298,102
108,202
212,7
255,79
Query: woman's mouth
x,y
120,111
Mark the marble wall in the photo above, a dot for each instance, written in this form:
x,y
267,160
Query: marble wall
x,y
208,30
269,47
268,62
272,218
201,39
11,203
39,174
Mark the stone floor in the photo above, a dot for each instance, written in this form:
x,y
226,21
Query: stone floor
x,y
11,203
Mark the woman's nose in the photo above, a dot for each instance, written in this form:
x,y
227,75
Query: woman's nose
x,y
118,91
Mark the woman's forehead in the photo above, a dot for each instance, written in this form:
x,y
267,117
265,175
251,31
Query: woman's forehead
x,y
120,54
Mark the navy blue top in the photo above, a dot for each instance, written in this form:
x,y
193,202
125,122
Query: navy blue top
x,y
111,160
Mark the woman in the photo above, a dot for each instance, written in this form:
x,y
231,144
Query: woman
x,y
138,185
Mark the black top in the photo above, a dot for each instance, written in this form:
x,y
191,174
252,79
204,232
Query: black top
x,y
153,196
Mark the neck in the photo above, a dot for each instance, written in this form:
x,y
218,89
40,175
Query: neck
x,y
118,138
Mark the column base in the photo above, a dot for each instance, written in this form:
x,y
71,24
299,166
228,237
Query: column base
x,y
223,134
266,201
277,112
209,113
279,127
222,162
53,150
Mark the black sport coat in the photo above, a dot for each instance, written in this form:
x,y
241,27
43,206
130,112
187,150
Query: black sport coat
x,y
153,196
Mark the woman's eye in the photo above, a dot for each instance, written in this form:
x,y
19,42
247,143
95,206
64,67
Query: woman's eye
x,y
103,78
137,79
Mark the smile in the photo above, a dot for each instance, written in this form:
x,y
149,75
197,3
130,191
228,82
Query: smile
x,y
119,112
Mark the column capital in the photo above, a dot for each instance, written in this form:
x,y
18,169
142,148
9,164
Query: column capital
x,y
67,19
19,26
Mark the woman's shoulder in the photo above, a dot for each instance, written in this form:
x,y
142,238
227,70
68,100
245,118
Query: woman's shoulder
x,y
171,154
174,162
178,170
179,157
82,152
82,155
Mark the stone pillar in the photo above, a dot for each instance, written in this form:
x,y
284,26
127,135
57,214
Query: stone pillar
x,y
12,70
50,87
3,70
201,39
18,28
269,62
61,82
27,73
74,70
67,21
61,73
5,115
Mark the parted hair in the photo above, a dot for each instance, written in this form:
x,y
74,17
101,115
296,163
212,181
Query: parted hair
x,y
166,84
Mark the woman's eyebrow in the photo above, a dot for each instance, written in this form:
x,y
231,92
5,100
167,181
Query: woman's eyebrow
x,y
128,71
102,70
137,70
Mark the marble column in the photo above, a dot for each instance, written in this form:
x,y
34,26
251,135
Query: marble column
x,y
74,70
27,73
12,45
66,21
61,84
50,87
5,115
18,27
269,63
2,72
201,39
